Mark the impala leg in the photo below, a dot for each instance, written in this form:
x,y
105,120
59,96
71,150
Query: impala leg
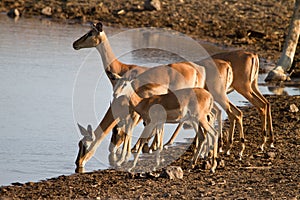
x,y
128,150
268,111
159,134
239,118
200,138
136,146
145,149
155,144
148,130
215,137
219,119
172,139
196,142
136,156
262,108
232,122
124,151
235,115
136,119
206,146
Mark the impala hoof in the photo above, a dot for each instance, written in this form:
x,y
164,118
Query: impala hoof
x,y
221,150
79,170
212,171
261,149
130,169
239,157
192,166
228,153
119,163
272,146
133,150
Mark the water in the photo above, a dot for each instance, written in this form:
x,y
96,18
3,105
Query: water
x,y
47,87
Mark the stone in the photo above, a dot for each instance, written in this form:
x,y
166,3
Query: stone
x,y
172,172
152,5
47,11
121,12
293,108
271,155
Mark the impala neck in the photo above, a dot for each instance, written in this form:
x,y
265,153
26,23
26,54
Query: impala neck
x,y
110,62
135,99
104,128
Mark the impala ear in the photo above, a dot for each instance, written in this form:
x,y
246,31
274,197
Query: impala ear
x,y
113,76
82,130
133,74
87,133
89,129
98,26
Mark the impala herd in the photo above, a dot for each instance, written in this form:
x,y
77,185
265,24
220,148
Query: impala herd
x,y
184,92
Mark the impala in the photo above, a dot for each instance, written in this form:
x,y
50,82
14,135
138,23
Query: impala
x,y
245,67
191,105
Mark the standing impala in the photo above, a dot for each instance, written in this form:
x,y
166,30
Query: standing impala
x,y
192,105
245,67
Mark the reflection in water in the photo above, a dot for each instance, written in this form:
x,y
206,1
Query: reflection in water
x,y
278,90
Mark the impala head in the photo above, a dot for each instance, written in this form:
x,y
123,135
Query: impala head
x,y
123,86
84,145
91,39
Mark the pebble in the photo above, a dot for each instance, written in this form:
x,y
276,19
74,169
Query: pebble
x,y
293,108
152,5
173,172
121,12
271,155
47,11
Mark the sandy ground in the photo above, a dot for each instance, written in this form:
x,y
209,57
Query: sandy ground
x,y
258,26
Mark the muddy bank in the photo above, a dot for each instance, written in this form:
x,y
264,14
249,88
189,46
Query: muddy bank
x,y
272,174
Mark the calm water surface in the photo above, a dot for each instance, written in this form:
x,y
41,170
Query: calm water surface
x,y
47,87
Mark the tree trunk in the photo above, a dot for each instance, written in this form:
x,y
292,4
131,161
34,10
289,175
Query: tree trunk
x,y
287,55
